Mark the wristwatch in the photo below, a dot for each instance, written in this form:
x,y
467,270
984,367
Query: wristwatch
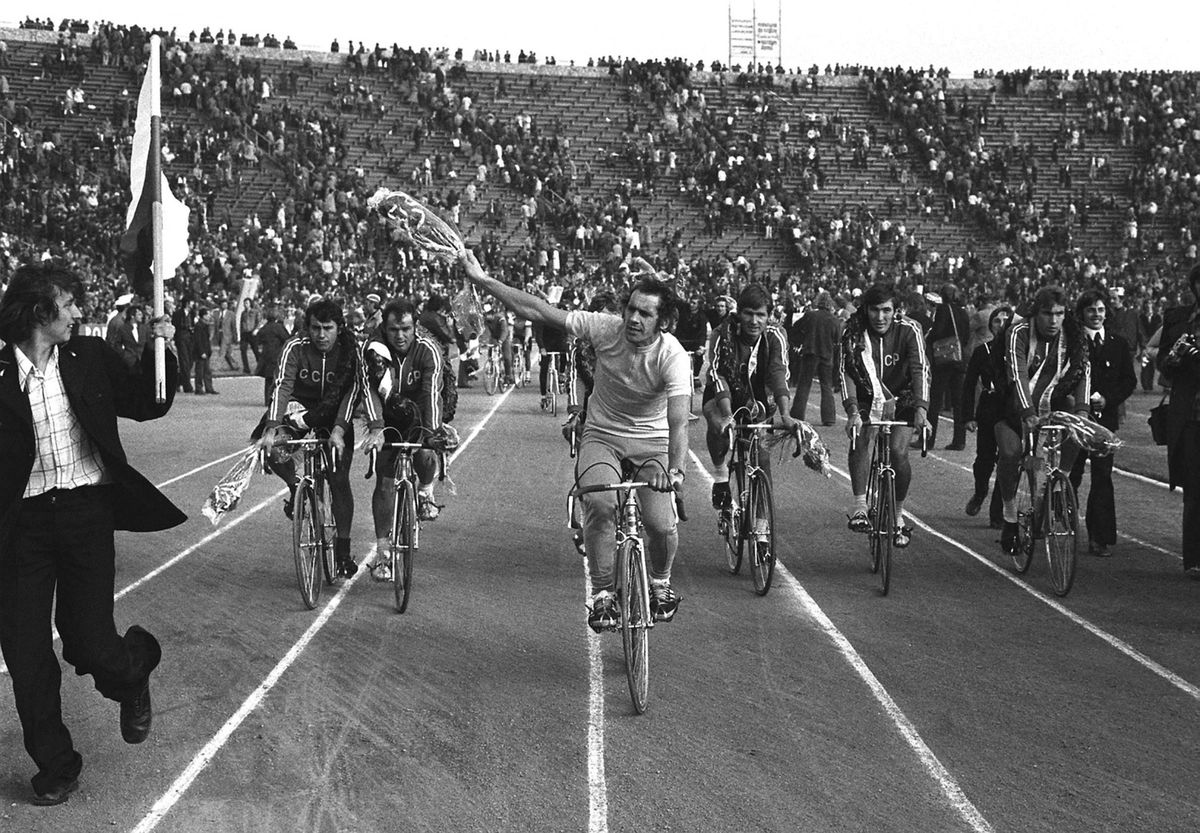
x,y
682,474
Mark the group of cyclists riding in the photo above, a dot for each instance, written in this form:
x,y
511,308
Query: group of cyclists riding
x,y
638,382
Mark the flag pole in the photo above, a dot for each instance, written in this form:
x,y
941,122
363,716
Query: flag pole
x,y
154,171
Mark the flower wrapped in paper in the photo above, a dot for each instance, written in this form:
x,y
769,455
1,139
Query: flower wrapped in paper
x,y
1090,436
809,446
225,496
417,223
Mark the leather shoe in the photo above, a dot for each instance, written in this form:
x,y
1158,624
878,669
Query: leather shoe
x,y
1008,538
956,447
136,715
1099,550
58,795
974,505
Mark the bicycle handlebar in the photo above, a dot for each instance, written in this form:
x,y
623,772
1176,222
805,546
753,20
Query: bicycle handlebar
x,y
626,484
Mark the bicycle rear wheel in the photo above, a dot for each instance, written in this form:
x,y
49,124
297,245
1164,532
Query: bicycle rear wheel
x,y
761,538
491,376
306,542
884,530
404,520
1062,524
872,512
634,594
1026,529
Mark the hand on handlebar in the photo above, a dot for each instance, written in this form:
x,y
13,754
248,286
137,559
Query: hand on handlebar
x,y
661,481
337,439
374,441
268,439
786,422
854,424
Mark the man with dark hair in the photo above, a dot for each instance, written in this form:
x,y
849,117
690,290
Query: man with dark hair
x,y
202,348
405,369
748,370
817,334
65,486
637,414
320,380
1113,380
1046,369
120,334
950,323
884,372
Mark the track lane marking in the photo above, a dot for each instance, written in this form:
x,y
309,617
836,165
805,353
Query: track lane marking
x,y
199,469
209,751
597,782
929,761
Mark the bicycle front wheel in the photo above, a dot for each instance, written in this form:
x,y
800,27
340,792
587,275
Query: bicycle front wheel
x,y
873,512
491,377
306,542
321,493
1062,523
761,538
884,530
634,595
404,526
734,533
1026,528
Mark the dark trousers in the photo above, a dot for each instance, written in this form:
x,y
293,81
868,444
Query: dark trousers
x,y
249,343
947,382
61,544
1101,502
985,464
203,375
810,366
1191,495
1147,376
183,351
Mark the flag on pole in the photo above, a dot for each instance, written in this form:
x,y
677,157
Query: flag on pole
x,y
138,240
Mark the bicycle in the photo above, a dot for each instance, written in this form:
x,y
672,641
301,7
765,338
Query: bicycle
x,y
491,369
1050,513
405,532
633,582
520,366
312,518
881,499
753,492
553,382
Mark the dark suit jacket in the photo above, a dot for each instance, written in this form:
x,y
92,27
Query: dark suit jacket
x,y
1112,377
1185,385
120,337
99,389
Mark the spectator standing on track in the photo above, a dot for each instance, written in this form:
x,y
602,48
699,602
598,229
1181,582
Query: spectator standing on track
x,y
120,334
983,414
202,349
271,338
65,486
637,411
1179,361
184,325
227,334
1149,321
816,334
1113,380
249,323
949,321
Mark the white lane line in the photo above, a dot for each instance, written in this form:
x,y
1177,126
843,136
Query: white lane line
x,y
597,785
936,770
202,759
205,756
1114,641
184,553
198,469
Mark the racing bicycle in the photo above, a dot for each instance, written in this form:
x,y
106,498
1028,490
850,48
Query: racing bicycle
x,y
1051,514
312,517
881,499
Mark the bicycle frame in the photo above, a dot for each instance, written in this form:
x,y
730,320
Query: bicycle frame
x,y
1052,514
318,459
752,511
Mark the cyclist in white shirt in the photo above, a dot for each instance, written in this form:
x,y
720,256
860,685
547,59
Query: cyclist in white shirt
x,y
637,412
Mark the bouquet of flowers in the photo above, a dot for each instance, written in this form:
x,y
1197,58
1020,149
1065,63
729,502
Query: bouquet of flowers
x,y
417,223
1090,436
808,445
225,496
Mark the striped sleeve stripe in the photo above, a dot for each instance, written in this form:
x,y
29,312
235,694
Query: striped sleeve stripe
x,y
277,405
1014,369
781,340
919,338
435,404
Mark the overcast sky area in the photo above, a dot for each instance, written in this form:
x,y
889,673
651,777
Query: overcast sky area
x,y
963,36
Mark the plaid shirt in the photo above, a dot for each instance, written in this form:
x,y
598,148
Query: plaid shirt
x,y
66,456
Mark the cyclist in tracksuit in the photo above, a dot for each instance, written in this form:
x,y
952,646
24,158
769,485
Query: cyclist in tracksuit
x,y
883,372
319,382
405,369
749,369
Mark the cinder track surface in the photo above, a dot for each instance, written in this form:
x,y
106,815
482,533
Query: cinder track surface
x,y
964,700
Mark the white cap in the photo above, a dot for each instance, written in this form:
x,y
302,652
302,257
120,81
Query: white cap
x,y
125,300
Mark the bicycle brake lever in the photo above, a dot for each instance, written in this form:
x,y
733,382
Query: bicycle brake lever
x,y
370,465
679,510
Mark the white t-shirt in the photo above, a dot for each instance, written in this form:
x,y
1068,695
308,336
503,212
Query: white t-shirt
x,y
632,383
